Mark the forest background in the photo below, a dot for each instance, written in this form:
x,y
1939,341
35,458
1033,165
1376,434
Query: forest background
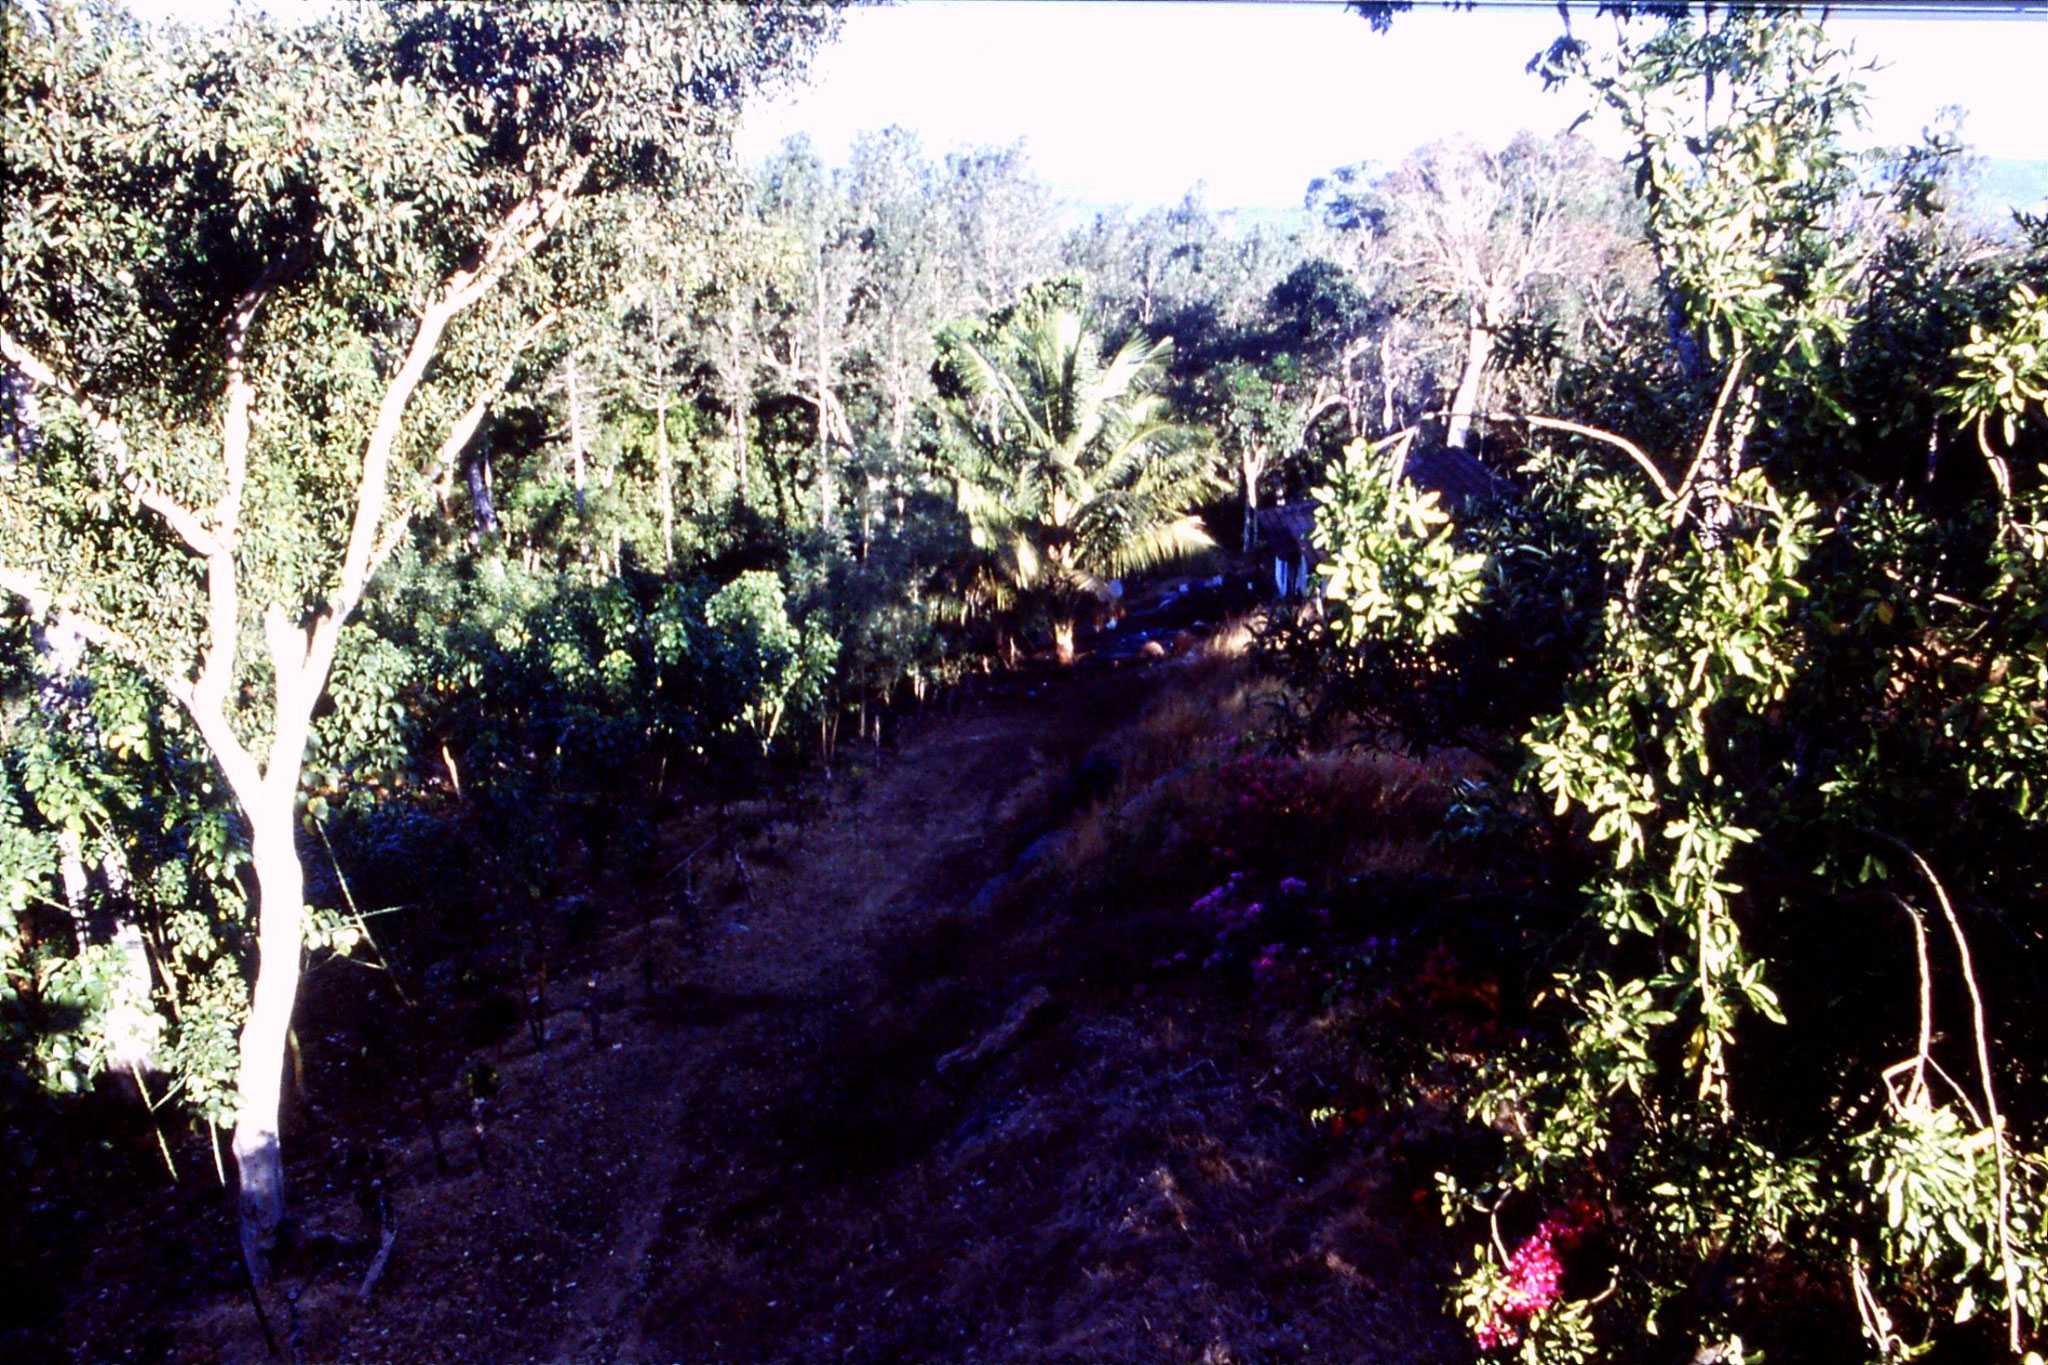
x,y
463,442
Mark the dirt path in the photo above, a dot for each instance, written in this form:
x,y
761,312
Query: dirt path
x,y
609,1163
758,1160
800,947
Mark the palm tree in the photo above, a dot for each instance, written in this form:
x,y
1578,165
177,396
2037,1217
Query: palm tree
x,y
1070,469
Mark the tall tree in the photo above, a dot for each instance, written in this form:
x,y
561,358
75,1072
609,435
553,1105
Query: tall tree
x,y
333,252
732,313
1004,233
822,319
1476,240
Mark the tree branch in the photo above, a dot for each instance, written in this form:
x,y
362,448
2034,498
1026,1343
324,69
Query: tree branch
x,y
1993,1119
1625,446
1709,441
236,763
180,519
460,434
223,593
523,228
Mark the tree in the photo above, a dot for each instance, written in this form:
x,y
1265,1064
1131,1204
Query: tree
x,y
648,313
1736,146
913,280
823,320
1004,234
1800,727
732,315
1070,468
1256,423
1475,238
334,251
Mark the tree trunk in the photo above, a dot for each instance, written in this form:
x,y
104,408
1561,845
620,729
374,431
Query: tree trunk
x,y
736,408
827,495
1478,350
664,486
477,472
1387,415
1063,640
1251,470
259,1080
577,447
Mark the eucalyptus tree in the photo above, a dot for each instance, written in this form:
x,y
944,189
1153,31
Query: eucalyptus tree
x,y
823,321
1185,269
1144,269
647,312
913,278
266,284
732,314
1005,229
1069,465
1476,238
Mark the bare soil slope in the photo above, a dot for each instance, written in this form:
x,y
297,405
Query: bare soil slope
x,y
760,1159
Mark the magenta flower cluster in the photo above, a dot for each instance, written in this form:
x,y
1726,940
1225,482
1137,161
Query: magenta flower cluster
x,y
1535,1278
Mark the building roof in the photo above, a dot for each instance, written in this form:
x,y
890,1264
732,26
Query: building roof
x,y
1454,473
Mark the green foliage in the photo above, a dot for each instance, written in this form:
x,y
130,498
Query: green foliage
x,y
1799,736
763,664
2004,373
115,842
259,287
1392,570
1069,466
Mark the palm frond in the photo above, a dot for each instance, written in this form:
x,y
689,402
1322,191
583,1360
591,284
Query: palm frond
x,y
1181,538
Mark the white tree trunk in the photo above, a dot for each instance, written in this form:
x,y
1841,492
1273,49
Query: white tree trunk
x,y
664,485
1478,351
259,1081
736,406
1387,416
827,494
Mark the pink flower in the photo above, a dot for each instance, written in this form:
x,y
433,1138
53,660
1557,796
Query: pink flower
x,y
1535,1276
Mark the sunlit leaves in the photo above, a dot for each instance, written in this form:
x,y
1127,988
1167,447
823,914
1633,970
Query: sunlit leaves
x,y
2003,373
1393,567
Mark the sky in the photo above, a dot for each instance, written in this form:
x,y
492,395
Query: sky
x,y
1135,102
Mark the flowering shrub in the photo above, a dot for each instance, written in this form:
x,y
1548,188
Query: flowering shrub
x,y
1259,931
1531,1283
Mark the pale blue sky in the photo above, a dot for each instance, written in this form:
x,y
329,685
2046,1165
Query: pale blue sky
x,y
1124,102
1135,102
